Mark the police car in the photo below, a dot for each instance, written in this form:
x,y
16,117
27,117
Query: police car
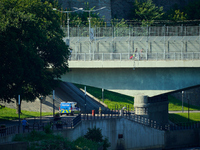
x,y
68,108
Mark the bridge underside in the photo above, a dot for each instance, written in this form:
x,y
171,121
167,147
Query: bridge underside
x,y
135,81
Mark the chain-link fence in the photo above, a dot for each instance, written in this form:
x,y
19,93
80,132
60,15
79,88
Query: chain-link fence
x,y
107,43
133,31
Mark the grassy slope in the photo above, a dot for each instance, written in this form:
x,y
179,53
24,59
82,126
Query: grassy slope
x,y
113,100
183,117
10,114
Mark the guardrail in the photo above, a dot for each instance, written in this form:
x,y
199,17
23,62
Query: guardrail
x,y
134,31
8,131
137,56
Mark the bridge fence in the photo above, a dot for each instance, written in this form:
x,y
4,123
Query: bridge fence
x,y
136,56
134,31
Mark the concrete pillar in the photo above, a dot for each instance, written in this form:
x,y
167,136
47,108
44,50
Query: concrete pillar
x,y
156,110
141,105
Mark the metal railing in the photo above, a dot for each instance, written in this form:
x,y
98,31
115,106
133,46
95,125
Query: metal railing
x,y
134,31
110,114
8,131
174,56
142,120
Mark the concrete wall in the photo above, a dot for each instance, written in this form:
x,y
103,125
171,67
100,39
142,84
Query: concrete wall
x,y
182,138
191,94
14,146
135,135
157,111
137,81
7,138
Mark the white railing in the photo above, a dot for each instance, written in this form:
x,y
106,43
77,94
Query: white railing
x,y
137,57
134,31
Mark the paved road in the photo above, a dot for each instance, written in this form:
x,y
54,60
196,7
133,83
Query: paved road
x,y
36,120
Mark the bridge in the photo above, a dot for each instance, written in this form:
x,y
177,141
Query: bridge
x,y
169,60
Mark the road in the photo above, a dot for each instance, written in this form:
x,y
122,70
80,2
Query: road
x,y
36,120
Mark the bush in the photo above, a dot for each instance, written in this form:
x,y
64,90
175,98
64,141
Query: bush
x,y
86,144
96,136
47,129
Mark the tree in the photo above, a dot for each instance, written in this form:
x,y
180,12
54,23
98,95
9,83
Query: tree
x,y
192,10
95,134
80,18
33,53
177,15
147,12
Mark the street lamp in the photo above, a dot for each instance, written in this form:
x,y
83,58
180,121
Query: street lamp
x,y
41,101
182,100
89,19
89,14
67,18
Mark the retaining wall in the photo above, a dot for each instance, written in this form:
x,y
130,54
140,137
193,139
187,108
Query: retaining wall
x,y
14,146
182,138
133,135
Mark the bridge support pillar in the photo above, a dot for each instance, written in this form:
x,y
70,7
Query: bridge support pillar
x,y
154,108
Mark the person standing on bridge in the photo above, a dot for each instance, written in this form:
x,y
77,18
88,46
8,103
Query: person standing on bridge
x,y
136,53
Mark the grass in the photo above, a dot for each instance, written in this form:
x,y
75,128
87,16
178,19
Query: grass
x,y
183,117
176,105
112,100
10,114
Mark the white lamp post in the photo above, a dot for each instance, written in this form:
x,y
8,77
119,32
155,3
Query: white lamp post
x,y
89,13
67,18
89,19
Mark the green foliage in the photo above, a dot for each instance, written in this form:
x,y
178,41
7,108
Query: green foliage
x,y
111,99
47,129
95,135
177,16
147,12
80,18
31,41
192,10
176,105
42,141
85,144
183,117
119,23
